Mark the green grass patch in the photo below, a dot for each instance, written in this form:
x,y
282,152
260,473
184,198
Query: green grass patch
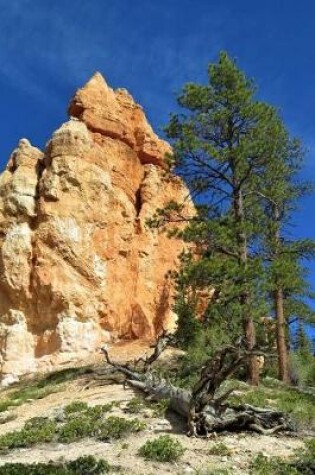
x,y
82,466
41,387
302,464
162,449
30,392
263,465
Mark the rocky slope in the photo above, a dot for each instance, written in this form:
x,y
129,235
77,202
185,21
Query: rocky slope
x,y
224,453
78,265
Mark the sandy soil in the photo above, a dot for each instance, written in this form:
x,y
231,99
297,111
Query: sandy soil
x,y
123,453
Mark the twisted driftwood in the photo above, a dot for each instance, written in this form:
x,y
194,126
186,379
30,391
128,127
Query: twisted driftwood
x,y
206,411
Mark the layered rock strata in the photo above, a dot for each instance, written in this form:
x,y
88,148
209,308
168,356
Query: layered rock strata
x,y
78,264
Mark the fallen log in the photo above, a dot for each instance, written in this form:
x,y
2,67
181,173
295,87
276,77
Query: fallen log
x,y
205,408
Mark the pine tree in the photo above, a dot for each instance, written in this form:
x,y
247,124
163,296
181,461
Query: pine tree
x,y
280,190
221,144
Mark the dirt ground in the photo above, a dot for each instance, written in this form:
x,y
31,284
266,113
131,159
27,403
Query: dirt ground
x,y
123,453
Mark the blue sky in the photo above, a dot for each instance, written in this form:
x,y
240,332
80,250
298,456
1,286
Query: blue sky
x,y
48,48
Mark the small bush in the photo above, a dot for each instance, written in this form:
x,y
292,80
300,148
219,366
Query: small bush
x,y
162,449
77,428
220,450
76,406
160,407
82,466
36,423
213,471
305,463
303,368
31,434
117,427
263,465
134,406
86,422
88,465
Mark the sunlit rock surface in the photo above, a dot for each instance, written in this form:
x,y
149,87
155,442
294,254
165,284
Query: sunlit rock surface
x,y
78,264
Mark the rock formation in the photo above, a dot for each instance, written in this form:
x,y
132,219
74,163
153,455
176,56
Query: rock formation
x,y
78,264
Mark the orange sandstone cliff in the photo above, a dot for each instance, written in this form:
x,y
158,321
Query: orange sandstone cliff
x,y
78,264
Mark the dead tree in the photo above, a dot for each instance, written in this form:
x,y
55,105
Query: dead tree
x,y
162,342
205,407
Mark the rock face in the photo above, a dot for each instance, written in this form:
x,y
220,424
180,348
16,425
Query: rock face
x,y
78,264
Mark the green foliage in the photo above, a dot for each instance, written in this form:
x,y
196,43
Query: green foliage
x,y
263,465
118,427
306,457
162,449
82,466
31,434
221,450
76,406
300,406
80,421
160,407
213,471
239,161
221,144
303,368
77,427
42,387
21,396
204,346
302,464
189,329
134,406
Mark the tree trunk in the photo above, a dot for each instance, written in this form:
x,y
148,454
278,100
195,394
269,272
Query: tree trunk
x,y
253,365
283,363
248,323
282,350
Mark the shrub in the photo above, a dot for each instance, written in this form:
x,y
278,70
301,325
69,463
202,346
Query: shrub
x,y
263,465
134,406
117,427
305,464
82,466
88,465
76,406
87,423
221,450
213,471
160,407
162,449
77,428
31,434
303,368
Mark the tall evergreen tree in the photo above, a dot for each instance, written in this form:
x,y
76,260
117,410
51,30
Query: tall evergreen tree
x,y
224,144
220,145
280,190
